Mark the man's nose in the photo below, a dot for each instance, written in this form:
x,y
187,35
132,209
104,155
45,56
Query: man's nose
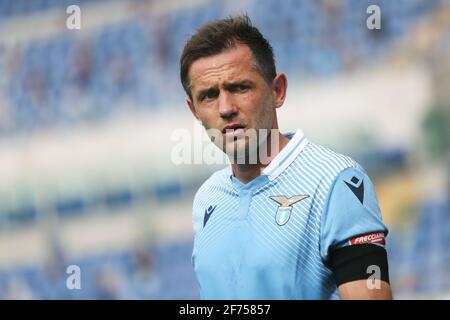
x,y
227,106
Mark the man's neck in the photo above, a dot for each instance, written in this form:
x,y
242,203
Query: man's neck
x,y
248,172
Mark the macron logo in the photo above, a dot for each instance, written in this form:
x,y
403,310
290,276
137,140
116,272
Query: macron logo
x,y
208,213
358,190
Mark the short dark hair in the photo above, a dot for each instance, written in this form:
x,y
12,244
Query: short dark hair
x,y
219,35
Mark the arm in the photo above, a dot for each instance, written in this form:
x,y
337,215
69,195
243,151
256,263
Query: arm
x,y
354,270
353,238
359,290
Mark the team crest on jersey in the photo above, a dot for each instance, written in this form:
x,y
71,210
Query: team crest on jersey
x,y
284,210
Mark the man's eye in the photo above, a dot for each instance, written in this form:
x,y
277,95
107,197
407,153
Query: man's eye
x,y
241,87
209,95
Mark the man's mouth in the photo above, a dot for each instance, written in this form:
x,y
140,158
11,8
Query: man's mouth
x,y
233,130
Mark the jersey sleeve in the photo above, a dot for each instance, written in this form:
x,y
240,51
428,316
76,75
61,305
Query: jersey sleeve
x,y
197,213
351,211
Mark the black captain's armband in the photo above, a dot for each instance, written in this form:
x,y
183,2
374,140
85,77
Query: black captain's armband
x,y
359,262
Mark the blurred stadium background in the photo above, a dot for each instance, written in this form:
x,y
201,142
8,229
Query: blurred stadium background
x,y
86,118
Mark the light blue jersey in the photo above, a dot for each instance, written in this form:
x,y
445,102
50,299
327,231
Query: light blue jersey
x,y
270,238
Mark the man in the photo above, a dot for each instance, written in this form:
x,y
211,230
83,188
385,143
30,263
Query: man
x,y
305,223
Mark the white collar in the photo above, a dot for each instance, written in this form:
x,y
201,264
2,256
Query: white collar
x,y
286,156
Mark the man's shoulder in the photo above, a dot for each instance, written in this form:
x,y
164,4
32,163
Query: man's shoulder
x,y
214,183
326,162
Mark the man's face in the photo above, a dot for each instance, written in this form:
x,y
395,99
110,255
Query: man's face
x,y
231,96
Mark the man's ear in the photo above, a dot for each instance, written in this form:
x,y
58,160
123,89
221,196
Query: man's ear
x,y
191,107
279,85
